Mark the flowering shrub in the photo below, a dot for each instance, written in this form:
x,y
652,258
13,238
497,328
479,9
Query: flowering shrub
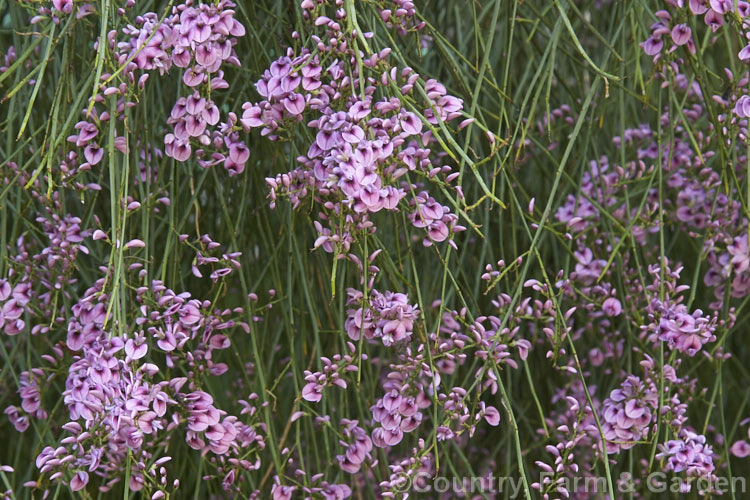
x,y
331,249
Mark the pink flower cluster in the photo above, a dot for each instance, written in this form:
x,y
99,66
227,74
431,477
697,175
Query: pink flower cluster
x,y
120,406
437,219
363,148
627,414
692,455
198,39
670,321
203,37
13,301
385,316
358,447
396,415
331,374
680,34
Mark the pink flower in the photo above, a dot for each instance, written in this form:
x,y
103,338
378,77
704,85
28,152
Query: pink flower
x,y
79,481
64,6
411,124
491,415
190,313
652,46
312,392
383,438
135,350
714,19
698,7
740,449
239,153
294,104
612,307
279,492
742,107
193,77
721,6
681,34
178,149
